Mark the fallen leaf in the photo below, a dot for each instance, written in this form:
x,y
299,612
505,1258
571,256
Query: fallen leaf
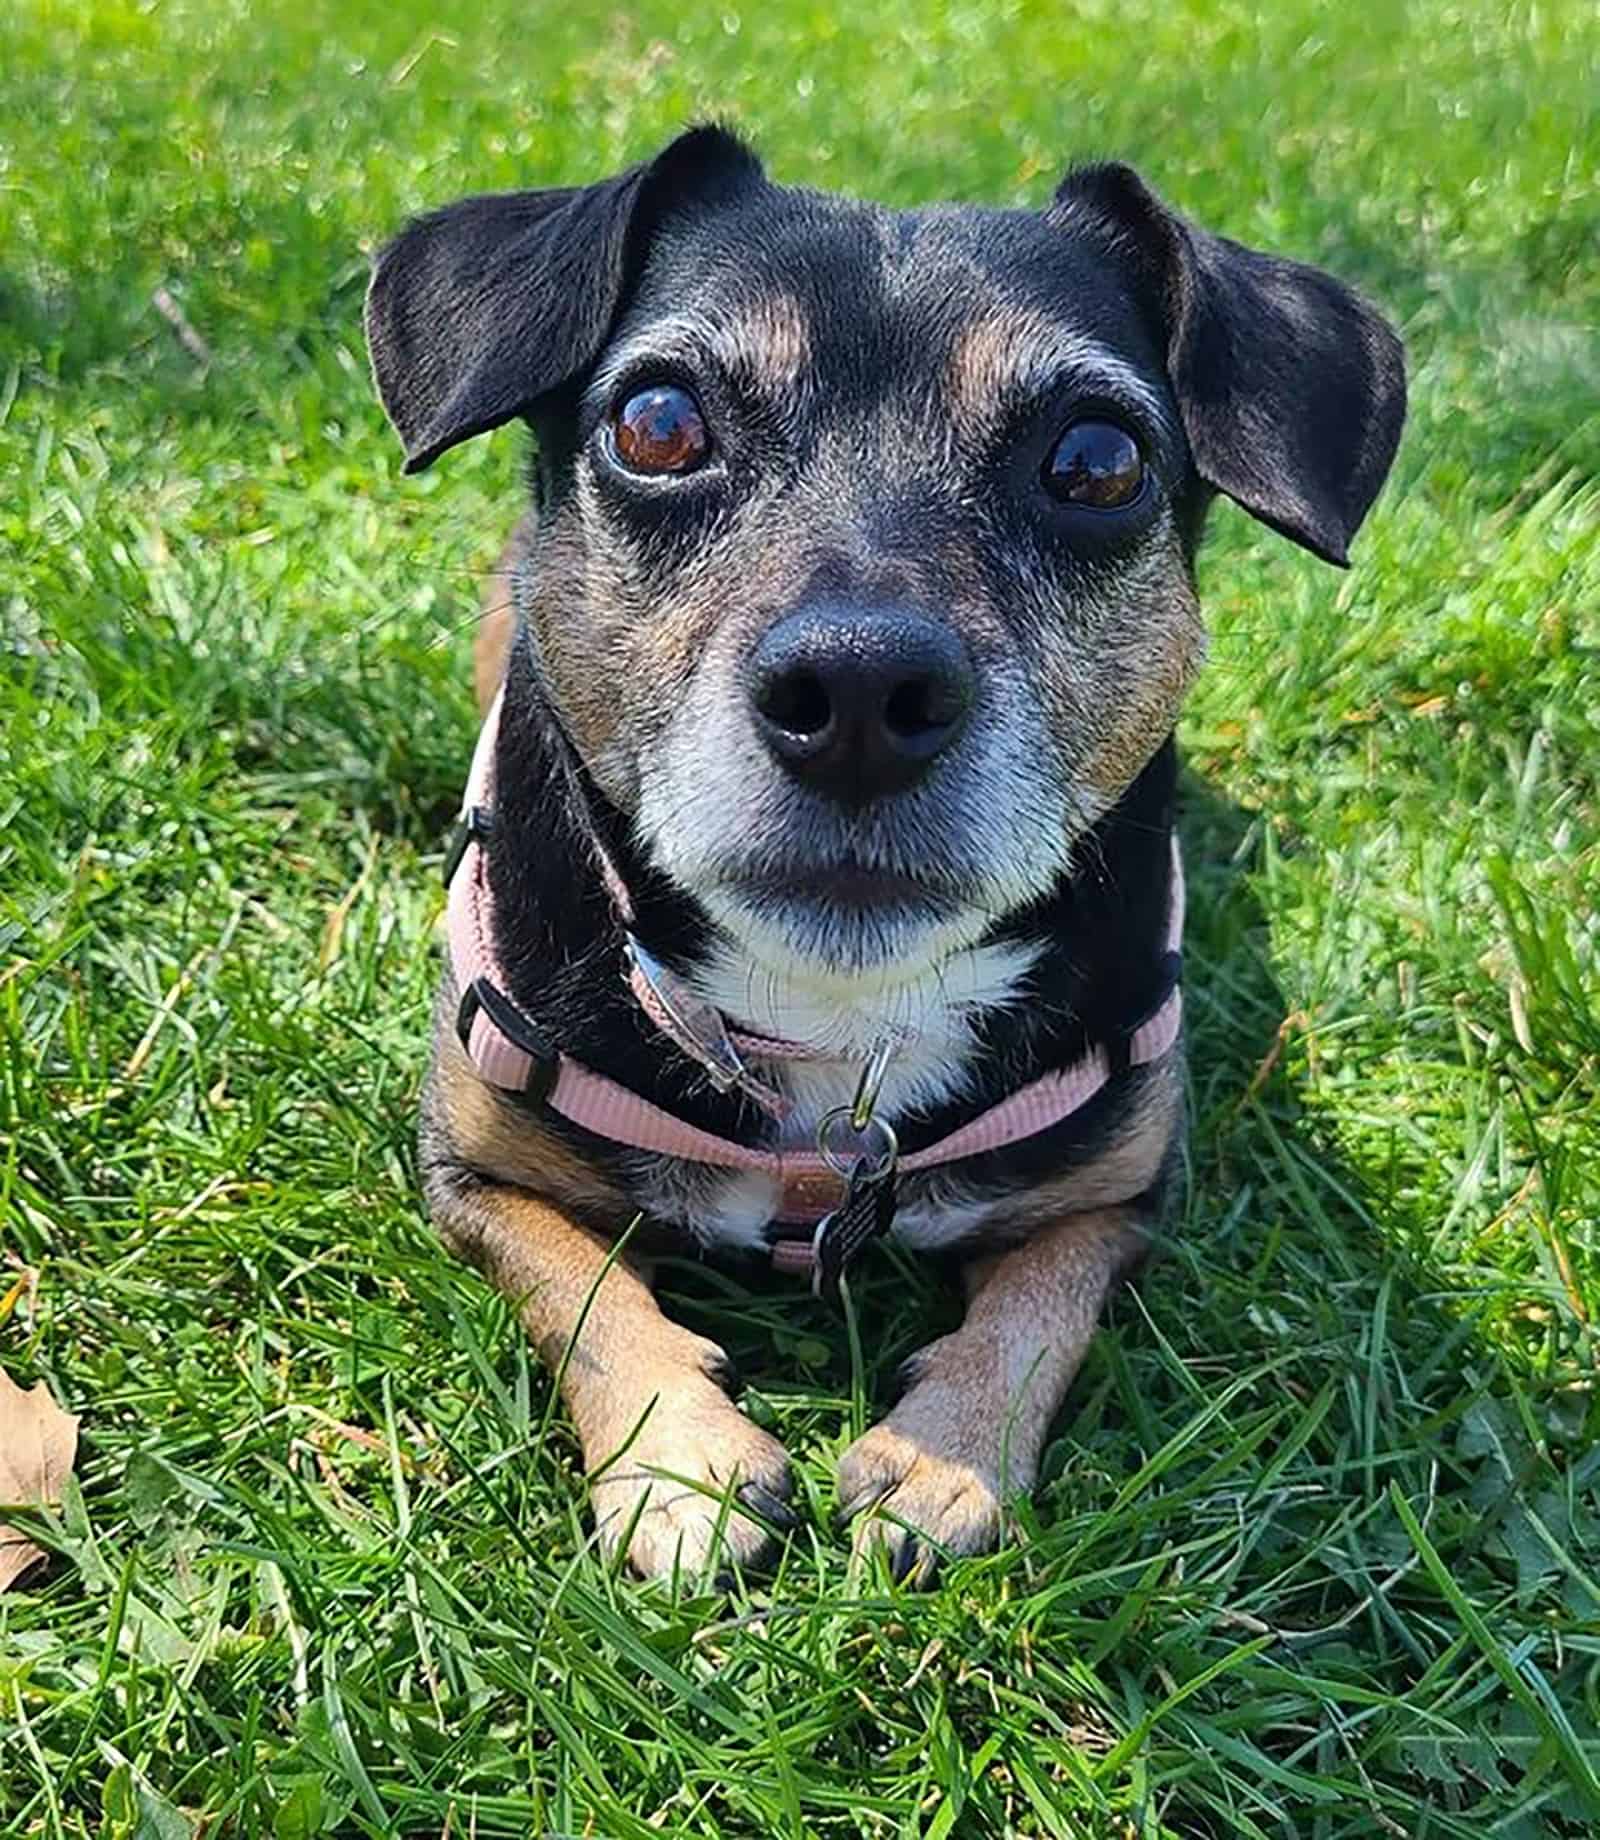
x,y
38,1442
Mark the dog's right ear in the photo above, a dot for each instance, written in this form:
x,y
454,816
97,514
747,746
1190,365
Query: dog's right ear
x,y
478,310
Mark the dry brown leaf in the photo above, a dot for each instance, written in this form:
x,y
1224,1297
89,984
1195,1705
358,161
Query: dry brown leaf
x,y
38,1443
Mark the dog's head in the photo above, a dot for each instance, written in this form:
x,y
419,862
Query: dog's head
x,y
863,579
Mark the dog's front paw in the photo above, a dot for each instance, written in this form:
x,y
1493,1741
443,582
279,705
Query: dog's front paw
x,y
912,1500
933,1476
676,1487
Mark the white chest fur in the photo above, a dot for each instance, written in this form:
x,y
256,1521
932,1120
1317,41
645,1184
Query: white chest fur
x,y
937,1019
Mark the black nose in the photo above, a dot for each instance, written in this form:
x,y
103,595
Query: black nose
x,y
858,703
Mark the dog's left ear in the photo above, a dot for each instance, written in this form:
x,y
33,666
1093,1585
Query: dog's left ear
x,y
1292,389
478,310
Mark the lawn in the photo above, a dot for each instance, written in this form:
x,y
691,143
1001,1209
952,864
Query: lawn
x,y
1318,1548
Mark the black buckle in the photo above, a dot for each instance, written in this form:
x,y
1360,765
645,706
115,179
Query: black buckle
x,y
512,1023
474,826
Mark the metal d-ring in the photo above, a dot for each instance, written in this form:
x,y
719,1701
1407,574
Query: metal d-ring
x,y
847,1165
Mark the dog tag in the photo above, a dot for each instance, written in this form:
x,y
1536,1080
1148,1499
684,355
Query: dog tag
x,y
865,1214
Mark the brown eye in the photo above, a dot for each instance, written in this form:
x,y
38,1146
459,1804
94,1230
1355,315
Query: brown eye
x,y
660,430
1096,464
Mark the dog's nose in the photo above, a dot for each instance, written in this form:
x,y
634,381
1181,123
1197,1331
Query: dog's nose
x,y
858,703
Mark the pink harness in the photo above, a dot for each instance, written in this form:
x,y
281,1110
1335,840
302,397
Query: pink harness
x,y
810,1184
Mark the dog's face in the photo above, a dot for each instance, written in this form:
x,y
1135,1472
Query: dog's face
x,y
864,576
878,592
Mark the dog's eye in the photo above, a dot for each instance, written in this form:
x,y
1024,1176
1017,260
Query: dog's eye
x,y
660,430
1096,464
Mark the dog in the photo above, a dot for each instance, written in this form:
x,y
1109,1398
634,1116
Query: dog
x,y
817,877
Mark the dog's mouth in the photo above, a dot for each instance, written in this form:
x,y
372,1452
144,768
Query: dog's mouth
x,y
801,885
842,918
844,887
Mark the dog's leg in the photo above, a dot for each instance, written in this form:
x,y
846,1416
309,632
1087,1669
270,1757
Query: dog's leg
x,y
645,1393
971,1426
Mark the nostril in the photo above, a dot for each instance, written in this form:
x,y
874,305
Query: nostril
x,y
797,703
919,708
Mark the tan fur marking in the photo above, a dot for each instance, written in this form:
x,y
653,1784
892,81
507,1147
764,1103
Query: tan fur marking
x,y
587,612
1124,1169
771,343
1152,683
971,1429
988,357
497,622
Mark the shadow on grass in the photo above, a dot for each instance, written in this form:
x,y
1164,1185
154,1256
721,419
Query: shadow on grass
x,y
1291,1464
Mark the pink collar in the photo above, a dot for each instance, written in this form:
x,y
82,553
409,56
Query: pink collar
x,y
510,1051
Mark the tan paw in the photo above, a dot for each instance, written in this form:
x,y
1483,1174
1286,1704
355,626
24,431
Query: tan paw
x,y
674,1493
914,1502
933,1477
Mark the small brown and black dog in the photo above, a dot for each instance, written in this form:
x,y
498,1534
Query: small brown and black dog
x,y
827,785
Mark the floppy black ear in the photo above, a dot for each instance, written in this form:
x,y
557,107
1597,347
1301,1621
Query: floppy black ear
x,y
1292,388
476,311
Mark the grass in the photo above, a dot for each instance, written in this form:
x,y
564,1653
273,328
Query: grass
x,y
1316,1551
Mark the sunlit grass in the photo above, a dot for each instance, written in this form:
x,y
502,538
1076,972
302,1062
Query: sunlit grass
x,y
1316,1549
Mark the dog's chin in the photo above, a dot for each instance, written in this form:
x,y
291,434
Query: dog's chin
x,y
844,925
